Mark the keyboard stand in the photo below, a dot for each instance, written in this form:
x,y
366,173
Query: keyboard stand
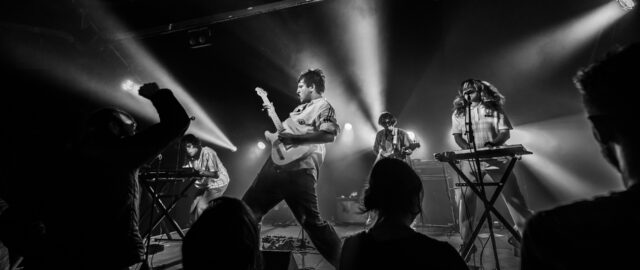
x,y
163,208
488,204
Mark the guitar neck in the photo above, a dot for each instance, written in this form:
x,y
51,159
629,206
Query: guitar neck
x,y
276,120
272,114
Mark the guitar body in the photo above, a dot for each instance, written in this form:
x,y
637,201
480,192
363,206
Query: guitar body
x,y
402,154
283,155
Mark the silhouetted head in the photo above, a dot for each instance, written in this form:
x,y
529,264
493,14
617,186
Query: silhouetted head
x,y
191,145
607,87
108,124
225,236
395,190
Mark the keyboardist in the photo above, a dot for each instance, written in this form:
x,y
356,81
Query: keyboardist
x,y
491,128
204,159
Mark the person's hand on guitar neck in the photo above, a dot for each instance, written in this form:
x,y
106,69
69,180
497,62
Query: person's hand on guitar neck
x,y
267,106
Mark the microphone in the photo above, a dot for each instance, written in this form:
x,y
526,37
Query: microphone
x,y
466,96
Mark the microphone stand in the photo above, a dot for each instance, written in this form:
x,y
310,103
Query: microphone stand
x,y
478,175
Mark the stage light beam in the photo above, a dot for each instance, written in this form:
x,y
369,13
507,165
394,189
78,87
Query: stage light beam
x,y
361,20
204,127
566,158
546,51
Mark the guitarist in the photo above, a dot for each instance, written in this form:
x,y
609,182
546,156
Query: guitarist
x,y
391,141
295,182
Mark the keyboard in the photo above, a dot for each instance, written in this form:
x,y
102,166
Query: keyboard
x,y
484,152
173,175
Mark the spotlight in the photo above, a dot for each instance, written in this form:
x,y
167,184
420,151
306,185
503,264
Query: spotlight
x,y
200,37
627,4
348,126
261,145
130,86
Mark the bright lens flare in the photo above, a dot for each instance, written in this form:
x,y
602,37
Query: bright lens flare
x,y
627,4
348,126
261,145
130,86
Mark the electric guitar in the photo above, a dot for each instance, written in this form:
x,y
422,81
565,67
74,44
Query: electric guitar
x,y
402,153
282,154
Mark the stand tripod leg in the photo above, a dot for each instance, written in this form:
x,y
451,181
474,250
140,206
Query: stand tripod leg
x,y
493,242
488,204
466,247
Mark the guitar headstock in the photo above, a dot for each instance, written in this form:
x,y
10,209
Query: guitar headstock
x,y
261,92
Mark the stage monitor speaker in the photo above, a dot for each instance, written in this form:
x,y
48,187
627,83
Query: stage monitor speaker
x,y
438,203
278,260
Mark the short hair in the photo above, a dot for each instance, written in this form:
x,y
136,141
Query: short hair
x,y
313,77
387,117
607,85
225,236
192,139
394,189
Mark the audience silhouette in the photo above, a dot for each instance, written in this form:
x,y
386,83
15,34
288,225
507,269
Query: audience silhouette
x,y
395,195
601,233
225,236
93,223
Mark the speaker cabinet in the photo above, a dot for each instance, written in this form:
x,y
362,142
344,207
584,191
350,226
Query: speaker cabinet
x,y
438,203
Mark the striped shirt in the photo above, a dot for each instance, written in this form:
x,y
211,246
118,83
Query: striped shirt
x,y
209,161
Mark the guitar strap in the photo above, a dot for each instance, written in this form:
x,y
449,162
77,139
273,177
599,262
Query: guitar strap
x,y
395,137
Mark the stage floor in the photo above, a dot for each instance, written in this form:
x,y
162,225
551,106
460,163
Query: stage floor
x,y
288,238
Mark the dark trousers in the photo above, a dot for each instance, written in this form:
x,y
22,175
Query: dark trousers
x,y
298,189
